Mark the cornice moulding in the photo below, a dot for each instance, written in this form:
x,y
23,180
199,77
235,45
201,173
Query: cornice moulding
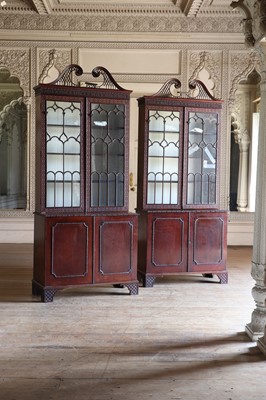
x,y
189,8
89,36
120,23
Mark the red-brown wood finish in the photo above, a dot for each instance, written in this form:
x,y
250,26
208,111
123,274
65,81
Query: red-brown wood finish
x,y
84,250
167,248
182,242
189,234
63,256
115,249
207,244
83,232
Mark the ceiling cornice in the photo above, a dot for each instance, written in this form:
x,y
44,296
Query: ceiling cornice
x,y
191,7
42,6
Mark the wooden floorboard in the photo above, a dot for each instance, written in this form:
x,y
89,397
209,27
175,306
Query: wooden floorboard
x,y
182,339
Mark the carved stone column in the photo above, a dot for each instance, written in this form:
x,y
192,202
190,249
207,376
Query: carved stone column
x,y
256,327
242,190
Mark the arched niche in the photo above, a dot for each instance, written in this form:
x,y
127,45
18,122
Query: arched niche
x,y
13,143
244,141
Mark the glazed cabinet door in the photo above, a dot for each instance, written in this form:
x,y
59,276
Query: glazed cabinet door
x,y
201,158
167,242
60,164
160,165
115,248
207,241
108,155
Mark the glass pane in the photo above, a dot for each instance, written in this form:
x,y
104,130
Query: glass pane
x,y
202,155
63,153
63,194
163,157
107,155
162,193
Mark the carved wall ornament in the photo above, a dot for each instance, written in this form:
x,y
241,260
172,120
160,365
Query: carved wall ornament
x,y
262,16
261,54
246,22
235,127
17,62
254,25
52,62
4,115
258,273
241,65
211,62
138,21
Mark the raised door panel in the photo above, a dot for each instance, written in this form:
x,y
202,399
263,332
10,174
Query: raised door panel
x,y
207,244
115,249
69,258
167,242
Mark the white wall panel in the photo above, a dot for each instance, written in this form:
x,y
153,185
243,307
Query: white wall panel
x,y
131,61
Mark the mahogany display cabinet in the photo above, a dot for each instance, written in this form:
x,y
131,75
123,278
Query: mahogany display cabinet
x,y
181,228
83,232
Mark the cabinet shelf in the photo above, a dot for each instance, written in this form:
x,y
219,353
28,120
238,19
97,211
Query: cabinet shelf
x,y
164,132
63,126
164,157
107,127
62,154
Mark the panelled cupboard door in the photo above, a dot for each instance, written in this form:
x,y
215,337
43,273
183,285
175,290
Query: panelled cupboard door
x,y
167,247
115,248
207,242
68,251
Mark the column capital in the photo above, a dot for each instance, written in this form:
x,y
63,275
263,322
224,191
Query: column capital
x,y
254,21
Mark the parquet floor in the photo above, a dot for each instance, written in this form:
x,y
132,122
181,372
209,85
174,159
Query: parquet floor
x,y
182,339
